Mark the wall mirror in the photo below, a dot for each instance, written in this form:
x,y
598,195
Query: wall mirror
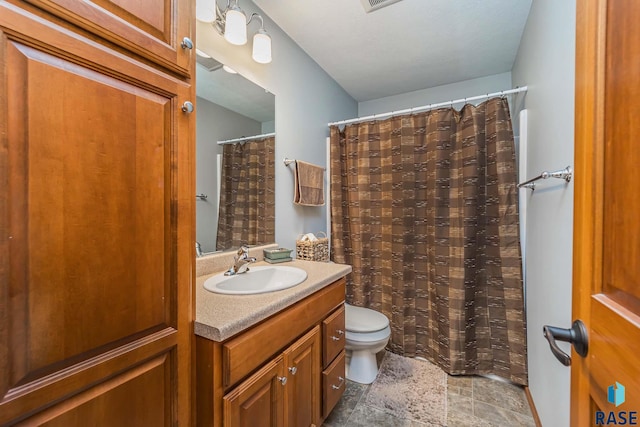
x,y
235,142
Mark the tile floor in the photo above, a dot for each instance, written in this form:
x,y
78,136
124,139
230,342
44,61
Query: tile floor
x,y
471,401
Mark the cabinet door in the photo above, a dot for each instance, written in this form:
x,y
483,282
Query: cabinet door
x,y
302,393
257,401
95,233
153,29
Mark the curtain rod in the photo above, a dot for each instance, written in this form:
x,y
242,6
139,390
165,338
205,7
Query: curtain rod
x,y
246,138
430,106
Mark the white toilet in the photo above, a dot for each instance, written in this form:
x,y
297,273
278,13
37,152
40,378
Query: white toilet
x,y
367,334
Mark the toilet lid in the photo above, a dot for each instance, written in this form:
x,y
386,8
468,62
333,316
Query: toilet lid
x,y
359,319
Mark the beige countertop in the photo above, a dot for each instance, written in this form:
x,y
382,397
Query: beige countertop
x,y
219,317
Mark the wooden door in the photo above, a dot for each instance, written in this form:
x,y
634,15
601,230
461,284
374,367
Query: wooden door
x,y
302,393
606,246
96,225
258,401
153,29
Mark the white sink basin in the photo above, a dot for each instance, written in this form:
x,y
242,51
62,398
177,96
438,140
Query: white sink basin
x,y
257,280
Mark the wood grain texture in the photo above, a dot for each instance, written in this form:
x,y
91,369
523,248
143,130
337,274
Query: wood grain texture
x,y
333,384
333,336
302,399
96,274
243,354
588,184
532,406
258,401
117,401
150,28
605,245
614,337
299,348
621,230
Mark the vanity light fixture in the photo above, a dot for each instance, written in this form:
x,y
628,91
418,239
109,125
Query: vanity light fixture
x,y
202,54
232,23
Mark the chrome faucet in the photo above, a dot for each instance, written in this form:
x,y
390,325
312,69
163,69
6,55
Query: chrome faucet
x,y
240,262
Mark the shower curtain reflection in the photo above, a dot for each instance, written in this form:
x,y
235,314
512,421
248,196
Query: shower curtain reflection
x,y
247,194
424,207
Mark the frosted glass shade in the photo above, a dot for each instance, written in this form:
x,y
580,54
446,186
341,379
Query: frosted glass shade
x,y
202,54
235,29
229,69
206,10
261,47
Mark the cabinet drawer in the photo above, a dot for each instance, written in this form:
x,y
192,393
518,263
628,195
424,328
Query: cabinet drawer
x,y
333,336
245,353
333,384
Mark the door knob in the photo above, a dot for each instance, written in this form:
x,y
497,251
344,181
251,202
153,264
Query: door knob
x,y
186,43
283,380
576,335
293,370
187,107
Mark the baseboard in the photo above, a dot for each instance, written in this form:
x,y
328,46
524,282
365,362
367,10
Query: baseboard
x,y
532,405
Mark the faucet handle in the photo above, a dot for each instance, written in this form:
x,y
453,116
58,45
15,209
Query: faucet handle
x,y
243,252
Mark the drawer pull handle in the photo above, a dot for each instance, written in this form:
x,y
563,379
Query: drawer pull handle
x,y
340,332
337,387
336,338
283,380
293,370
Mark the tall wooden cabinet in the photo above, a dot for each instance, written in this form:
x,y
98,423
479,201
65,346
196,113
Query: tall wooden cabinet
x,y
96,213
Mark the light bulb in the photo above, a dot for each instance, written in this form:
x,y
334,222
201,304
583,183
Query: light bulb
x,y
235,30
261,47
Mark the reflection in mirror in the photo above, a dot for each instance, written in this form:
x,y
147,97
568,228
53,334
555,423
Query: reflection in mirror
x,y
235,145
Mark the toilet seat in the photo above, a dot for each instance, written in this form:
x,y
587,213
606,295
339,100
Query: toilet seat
x,y
365,337
364,321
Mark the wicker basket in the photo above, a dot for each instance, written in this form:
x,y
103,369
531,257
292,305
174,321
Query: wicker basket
x,y
317,250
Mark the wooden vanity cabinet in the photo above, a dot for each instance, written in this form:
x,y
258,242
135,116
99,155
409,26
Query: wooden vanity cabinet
x,y
273,374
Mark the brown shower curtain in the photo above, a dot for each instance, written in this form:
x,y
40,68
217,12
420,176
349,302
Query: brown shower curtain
x,y
247,194
424,207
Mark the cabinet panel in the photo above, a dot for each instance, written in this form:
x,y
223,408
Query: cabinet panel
x,y
243,354
333,384
153,29
333,335
89,149
258,401
136,398
302,392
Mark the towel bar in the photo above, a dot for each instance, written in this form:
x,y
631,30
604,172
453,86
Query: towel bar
x,y
565,174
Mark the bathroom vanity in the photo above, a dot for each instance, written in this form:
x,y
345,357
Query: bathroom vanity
x,y
276,357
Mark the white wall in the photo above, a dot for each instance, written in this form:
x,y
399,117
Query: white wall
x,y
306,100
546,64
467,88
213,123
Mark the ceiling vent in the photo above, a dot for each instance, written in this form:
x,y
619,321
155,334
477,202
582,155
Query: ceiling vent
x,y
209,63
371,5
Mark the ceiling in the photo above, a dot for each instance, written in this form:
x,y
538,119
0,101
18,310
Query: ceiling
x,y
406,46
